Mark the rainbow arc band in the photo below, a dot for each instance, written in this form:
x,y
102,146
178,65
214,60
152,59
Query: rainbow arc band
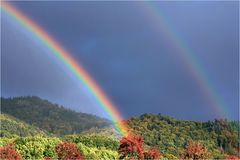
x,y
191,61
65,57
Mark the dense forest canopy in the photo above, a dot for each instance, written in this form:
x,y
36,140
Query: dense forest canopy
x,y
36,126
50,117
171,135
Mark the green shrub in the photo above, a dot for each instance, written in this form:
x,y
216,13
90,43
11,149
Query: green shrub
x,y
96,153
36,147
169,157
5,141
50,147
94,141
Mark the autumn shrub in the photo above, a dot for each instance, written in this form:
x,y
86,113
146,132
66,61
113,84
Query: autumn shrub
x,y
9,153
152,154
68,151
195,150
36,147
232,157
131,147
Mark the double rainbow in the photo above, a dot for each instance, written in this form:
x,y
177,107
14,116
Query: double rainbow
x,y
190,60
66,58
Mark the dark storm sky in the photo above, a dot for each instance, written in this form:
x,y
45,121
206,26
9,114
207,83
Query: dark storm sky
x,y
132,60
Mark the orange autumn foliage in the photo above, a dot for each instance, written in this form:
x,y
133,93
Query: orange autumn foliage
x,y
195,150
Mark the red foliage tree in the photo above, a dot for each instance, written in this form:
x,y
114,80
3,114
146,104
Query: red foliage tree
x,y
152,154
195,150
131,147
68,151
232,157
7,152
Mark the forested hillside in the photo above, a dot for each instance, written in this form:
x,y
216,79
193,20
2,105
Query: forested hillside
x,y
11,127
50,117
171,135
33,128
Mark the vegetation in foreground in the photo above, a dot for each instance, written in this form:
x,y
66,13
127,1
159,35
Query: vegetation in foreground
x,y
79,147
152,136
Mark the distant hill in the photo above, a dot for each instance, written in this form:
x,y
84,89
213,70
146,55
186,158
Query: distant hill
x,y
110,132
171,135
11,126
50,117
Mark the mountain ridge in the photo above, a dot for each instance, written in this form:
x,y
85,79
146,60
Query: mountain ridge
x,y
51,117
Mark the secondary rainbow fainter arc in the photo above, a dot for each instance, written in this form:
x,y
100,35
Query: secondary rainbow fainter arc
x,y
191,61
74,67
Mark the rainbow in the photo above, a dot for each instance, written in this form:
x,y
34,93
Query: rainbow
x,y
65,57
185,53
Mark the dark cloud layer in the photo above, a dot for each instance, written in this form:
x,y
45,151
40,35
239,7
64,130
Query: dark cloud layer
x,y
120,46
